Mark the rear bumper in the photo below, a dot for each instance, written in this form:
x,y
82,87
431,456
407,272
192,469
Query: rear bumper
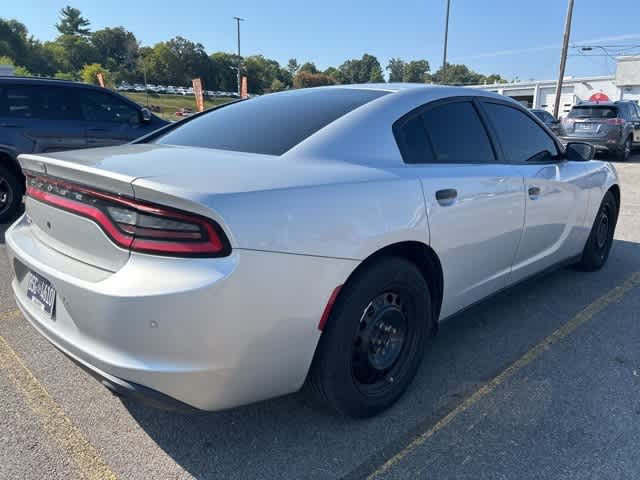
x,y
602,144
208,333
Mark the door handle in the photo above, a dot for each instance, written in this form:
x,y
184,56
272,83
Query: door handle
x,y
10,125
446,196
96,129
534,192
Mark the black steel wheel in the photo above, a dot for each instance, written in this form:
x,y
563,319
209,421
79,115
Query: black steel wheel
x,y
598,246
374,340
11,191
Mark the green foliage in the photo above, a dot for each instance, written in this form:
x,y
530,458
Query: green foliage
x,y
415,71
116,48
365,70
223,67
277,86
305,79
261,72
461,75
72,22
89,73
65,76
335,74
293,67
22,72
6,60
396,70
308,67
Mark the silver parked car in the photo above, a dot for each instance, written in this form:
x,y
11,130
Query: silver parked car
x,y
314,236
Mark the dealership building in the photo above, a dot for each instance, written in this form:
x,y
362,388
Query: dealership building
x,y
624,85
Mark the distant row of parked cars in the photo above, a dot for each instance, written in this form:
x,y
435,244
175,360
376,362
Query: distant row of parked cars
x,y
170,90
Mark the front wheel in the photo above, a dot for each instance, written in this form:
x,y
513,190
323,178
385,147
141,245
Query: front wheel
x,y
374,340
598,246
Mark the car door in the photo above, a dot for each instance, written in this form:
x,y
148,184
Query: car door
x,y
41,118
474,200
109,120
556,199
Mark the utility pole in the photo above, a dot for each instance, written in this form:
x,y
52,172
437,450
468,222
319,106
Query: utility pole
x,y
446,39
563,58
238,20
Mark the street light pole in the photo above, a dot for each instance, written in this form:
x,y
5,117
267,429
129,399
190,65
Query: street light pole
x,y
563,58
446,39
238,20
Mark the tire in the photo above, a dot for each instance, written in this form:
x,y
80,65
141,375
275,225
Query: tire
x,y
596,251
11,191
625,151
385,311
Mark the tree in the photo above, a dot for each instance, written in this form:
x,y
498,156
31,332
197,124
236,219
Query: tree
x,y
116,48
223,67
293,67
72,22
396,70
365,70
305,79
415,71
69,53
13,39
308,67
459,74
89,73
335,74
277,86
261,72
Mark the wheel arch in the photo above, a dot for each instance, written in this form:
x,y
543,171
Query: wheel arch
x,y
9,160
615,191
424,258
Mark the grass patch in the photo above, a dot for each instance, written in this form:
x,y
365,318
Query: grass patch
x,y
169,104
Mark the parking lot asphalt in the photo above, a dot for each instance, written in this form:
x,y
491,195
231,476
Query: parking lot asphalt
x,y
541,381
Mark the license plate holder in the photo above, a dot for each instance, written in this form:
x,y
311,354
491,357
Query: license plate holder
x,y
41,293
585,126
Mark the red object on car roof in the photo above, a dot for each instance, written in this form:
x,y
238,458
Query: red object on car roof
x,y
599,97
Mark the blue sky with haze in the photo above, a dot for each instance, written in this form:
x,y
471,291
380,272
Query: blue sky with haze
x,y
511,37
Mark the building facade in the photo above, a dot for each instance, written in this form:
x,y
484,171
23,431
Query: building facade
x,y
624,85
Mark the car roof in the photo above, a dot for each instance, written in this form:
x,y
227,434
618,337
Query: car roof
x,y
46,81
596,104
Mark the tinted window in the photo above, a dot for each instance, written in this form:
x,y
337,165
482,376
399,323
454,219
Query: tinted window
x,y
521,137
270,124
37,101
542,115
413,142
457,134
103,107
593,111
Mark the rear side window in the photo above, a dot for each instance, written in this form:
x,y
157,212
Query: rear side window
x,y
593,111
270,124
450,133
457,134
521,137
104,107
39,102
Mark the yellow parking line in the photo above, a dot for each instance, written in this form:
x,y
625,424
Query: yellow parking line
x,y
53,418
12,314
581,318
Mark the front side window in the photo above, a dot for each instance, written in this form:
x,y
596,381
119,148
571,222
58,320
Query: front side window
x,y
521,137
103,107
19,101
39,102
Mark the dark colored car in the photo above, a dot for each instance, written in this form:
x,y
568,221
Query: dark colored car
x,y
548,119
613,127
40,115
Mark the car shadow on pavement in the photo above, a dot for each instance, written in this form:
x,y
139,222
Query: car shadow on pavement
x,y
287,438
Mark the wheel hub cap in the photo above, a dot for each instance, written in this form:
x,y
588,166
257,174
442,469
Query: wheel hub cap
x,y
380,339
603,231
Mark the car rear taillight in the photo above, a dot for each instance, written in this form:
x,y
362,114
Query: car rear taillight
x,y
614,121
132,224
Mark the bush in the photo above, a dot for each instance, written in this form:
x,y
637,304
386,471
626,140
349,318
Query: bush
x,y
305,80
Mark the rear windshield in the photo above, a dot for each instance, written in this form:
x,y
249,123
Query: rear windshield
x,y
594,112
270,124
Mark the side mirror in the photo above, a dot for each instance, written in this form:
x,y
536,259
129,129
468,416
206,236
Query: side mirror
x,y
580,151
145,115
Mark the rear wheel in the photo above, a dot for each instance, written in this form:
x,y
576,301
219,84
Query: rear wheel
x,y
598,246
11,191
374,340
625,151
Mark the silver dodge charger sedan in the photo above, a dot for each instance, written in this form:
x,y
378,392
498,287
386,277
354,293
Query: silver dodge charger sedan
x,y
308,238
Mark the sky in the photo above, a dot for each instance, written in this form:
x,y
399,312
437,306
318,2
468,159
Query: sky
x,y
515,38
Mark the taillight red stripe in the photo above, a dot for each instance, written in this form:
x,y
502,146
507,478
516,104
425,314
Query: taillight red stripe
x,y
210,241
84,210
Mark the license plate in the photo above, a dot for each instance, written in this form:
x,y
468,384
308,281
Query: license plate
x,y
585,126
40,291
